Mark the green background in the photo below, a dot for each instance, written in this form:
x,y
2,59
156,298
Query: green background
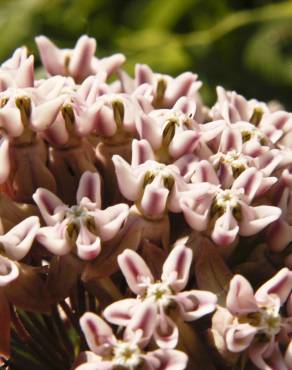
x,y
240,44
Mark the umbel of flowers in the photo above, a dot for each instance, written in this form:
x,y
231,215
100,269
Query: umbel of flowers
x,y
139,228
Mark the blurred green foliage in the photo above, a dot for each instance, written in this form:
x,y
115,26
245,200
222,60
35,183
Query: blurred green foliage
x,y
244,45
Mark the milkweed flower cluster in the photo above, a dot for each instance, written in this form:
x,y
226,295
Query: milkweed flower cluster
x,y
139,228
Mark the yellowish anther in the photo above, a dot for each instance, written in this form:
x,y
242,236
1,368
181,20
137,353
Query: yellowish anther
x,y
169,131
256,116
68,113
23,103
119,112
148,178
168,182
160,89
3,102
66,65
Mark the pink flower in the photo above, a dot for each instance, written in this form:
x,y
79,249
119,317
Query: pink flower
x,y
230,210
83,226
79,62
162,295
232,159
170,133
256,322
153,186
17,71
16,244
166,90
109,353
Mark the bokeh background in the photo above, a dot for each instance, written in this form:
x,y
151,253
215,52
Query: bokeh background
x,y
245,45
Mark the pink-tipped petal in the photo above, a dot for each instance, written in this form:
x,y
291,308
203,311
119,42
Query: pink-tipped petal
x,y
88,192
230,140
154,200
105,122
97,332
166,334
256,219
80,63
144,322
176,268
239,337
10,121
240,298
162,359
17,241
88,245
148,129
121,312
53,238
51,56
225,229
250,180
280,284
183,143
135,271
195,304
141,152
8,271
45,114
111,220
129,183
51,207
143,74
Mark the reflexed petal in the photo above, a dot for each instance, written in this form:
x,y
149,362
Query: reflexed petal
x,y
129,183
280,284
143,74
186,105
250,180
121,312
225,229
183,143
166,334
195,304
260,352
230,140
88,192
105,123
52,238
97,332
80,63
18,240
167,359
204,172
135,270
257,218
143,322
51,56
239,337
88,245
141,152
154,200
51,207
110,64
45,114
149,130
10,121
240,298
110,220
8,271
176,268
